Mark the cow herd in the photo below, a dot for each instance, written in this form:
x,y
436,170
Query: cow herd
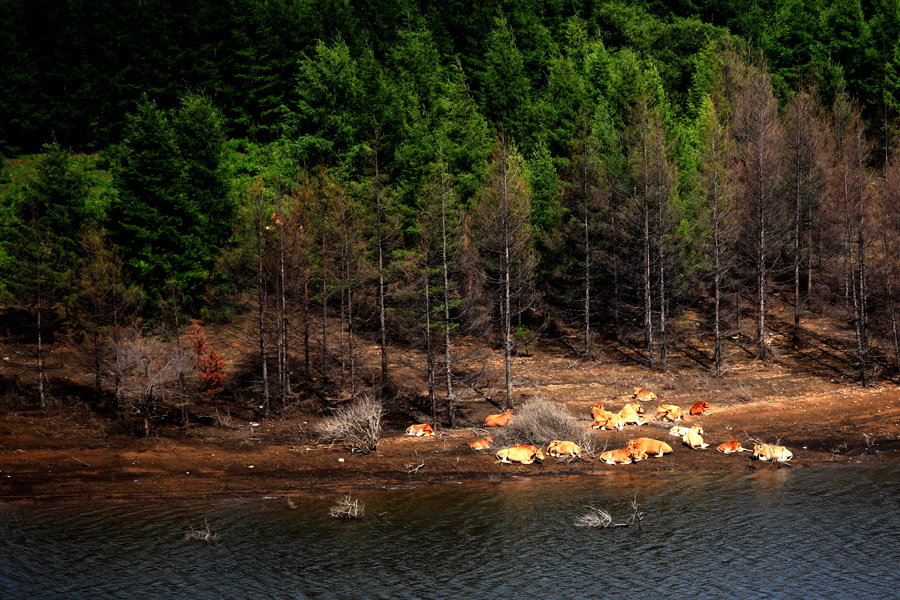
x,y
636,449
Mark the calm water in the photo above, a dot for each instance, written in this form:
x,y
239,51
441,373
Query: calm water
x,y
780,533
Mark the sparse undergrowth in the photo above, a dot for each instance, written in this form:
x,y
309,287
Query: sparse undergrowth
x,y
358,425
540,421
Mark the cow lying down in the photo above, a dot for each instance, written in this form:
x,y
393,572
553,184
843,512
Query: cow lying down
x,y
420,430
520,454
625,456
771,452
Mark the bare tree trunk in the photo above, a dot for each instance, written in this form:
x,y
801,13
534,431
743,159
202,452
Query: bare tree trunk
x,y
344,290
761,273
379,233
798,207
585,203
324,303
261,285
429,349
863,310
661,257
648,309
717,277
588,350
284,367
617,298
306,361
40,328
351,345
507,305
892,315
448,370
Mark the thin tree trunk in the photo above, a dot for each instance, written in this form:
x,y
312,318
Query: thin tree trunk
x,y
617,300
285,344
588,350
798,207
344,286
717,279
506,268
306,361
761,248
379,225
351,349
663,342
261,285
40,330
448,370
324,305
648,311
429,350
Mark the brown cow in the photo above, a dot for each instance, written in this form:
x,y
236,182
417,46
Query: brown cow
x,y
694,439
529,446
482,444
597,409
643,395
770,452
650,446
670,412
559,448
602,418
526,456
631,413
423,429
731,447
701,408
624,456
501,420
680,431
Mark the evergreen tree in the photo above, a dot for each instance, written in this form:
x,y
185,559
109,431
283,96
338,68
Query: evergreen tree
x,y
40,245
173,209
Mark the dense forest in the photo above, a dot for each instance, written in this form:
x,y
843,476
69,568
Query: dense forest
x,y
312,177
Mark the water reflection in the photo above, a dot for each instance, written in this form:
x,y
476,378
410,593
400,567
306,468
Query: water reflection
x,y
768,534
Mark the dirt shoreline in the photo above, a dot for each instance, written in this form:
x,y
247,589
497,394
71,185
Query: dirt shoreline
x,y
57,456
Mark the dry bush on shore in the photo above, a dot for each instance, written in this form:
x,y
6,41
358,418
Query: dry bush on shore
x,y
348,508
358,425
540,421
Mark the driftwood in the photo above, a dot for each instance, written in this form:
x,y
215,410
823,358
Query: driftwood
x,y
598,518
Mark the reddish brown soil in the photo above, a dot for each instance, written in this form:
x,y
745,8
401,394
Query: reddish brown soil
x,y
71,454
804,398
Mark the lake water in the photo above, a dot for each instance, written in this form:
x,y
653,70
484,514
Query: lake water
x,y
769,533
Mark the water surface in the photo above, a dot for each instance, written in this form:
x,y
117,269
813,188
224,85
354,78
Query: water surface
x,y
779,533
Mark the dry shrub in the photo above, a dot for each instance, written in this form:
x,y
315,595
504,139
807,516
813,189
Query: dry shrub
x,y
358,425
540,421
595,518
205,535
348,508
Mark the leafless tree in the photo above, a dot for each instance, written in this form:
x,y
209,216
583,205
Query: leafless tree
x,y
653,177
438,226
501,224
257,196
889,233
759,138
805,177
717,215
586,196
150,372
849,199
